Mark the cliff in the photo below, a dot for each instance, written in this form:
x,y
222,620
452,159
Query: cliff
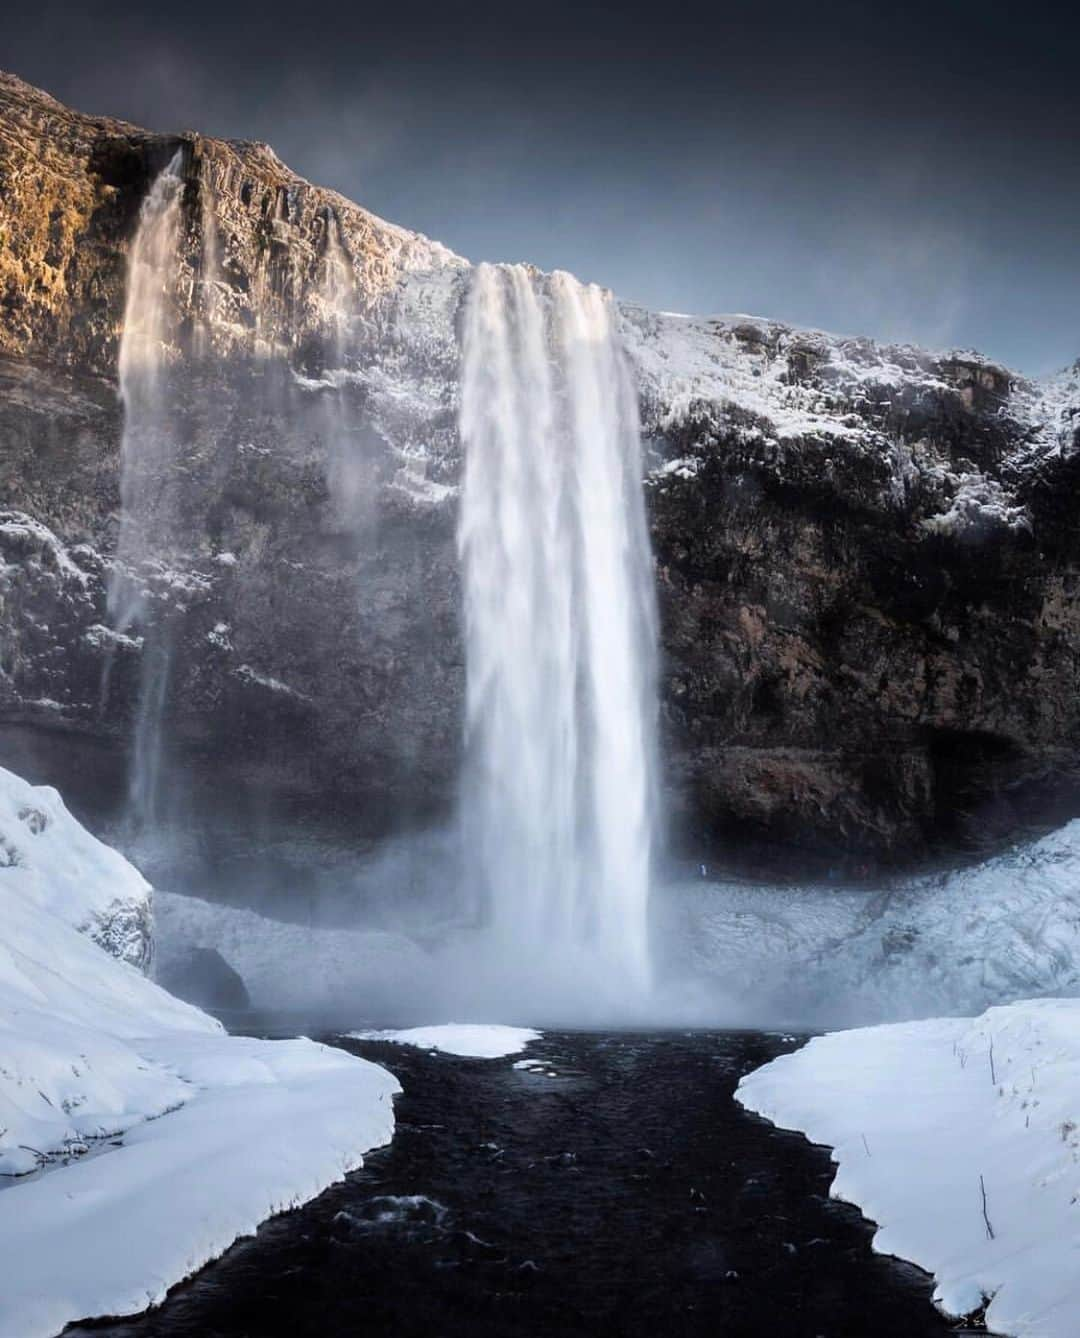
x,y
867,557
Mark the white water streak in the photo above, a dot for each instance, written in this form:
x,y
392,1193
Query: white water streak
x,y
347,471
560,623
147,449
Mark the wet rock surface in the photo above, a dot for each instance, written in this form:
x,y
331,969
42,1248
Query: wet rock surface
x,y
614,1187
867,558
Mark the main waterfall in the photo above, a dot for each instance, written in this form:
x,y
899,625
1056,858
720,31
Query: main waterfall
x,y
560,626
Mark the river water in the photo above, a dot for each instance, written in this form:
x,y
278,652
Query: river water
x,y
619,1190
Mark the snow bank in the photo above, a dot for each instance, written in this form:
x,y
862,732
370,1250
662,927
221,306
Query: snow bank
x,y
266,1126
925,1116
50,861
471,1040
153,1139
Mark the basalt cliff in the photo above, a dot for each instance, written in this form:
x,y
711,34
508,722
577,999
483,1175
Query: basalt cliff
x,y
867,557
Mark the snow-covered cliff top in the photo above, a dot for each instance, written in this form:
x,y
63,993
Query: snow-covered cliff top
x,y
806,382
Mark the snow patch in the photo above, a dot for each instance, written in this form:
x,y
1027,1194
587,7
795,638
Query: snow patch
x,y
100,637
742,362
979,504
685,467
470,1040
249,675
26,538
264,1126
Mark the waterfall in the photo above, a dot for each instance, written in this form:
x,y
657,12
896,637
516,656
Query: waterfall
x,y
336,286
346,477
147,452
209,301
559,624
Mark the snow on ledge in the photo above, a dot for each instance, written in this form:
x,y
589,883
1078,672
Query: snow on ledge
x,y
925,1118
469,1040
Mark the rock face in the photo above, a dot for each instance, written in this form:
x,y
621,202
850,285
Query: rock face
x,y
867,557
868,570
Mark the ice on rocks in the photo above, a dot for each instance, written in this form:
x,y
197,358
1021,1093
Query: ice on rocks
x,y
957,941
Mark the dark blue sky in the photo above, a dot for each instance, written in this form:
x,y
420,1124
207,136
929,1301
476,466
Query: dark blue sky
x,y
905,171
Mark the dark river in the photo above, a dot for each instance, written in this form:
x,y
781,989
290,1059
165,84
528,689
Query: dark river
x,y
626,1195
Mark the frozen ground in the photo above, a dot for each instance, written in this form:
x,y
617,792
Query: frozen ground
x,y
961,1139
471,1040
137,1140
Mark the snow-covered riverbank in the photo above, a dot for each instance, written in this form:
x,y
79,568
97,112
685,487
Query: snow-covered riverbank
x,y
961,1138
150,1140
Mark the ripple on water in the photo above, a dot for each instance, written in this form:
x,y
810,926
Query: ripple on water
x,y
394,1212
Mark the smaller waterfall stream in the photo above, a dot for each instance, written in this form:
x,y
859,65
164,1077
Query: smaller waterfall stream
x,y
346,476
146,457
558,806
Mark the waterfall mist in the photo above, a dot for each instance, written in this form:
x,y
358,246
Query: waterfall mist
x,y
558,811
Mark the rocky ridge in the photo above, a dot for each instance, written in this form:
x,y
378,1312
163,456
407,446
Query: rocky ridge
x,y
866,555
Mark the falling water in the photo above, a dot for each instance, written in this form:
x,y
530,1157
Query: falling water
x,y
146,456
210,283
346,479
336,286
559,624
